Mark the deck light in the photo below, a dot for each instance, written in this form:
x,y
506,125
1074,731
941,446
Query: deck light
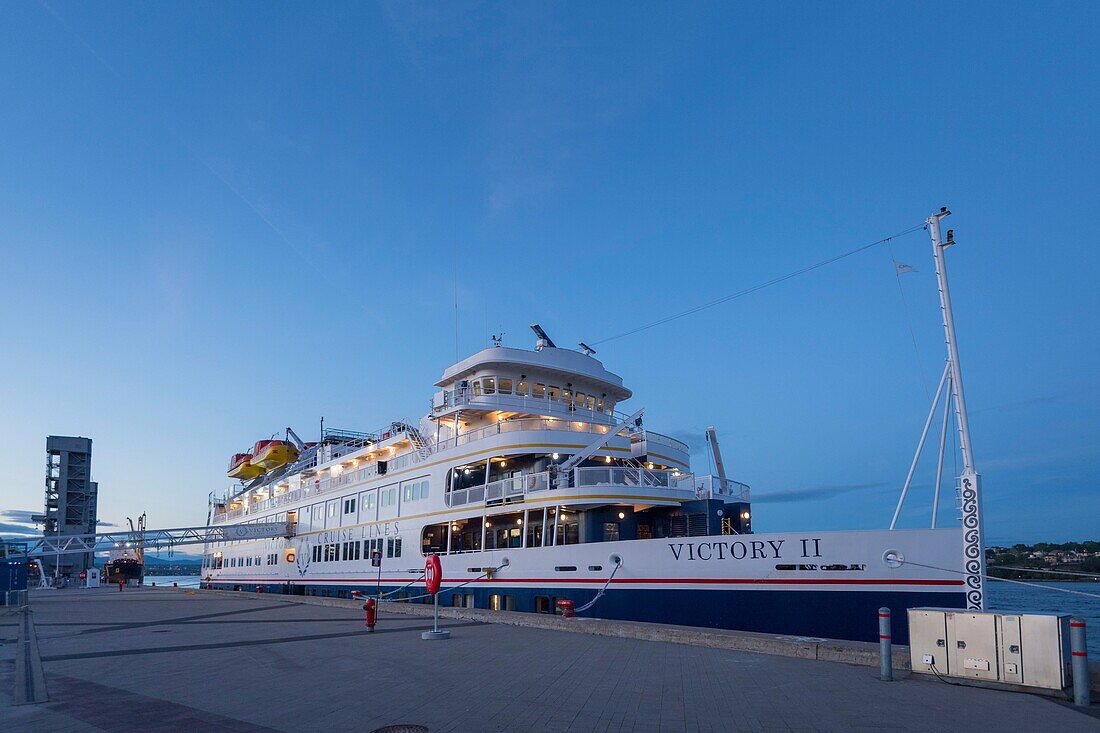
x,y
745,515
607,459
466,471
488,523
622,516
650,466
519,521
555,456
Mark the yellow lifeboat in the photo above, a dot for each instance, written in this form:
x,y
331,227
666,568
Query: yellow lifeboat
x,y
242,468
269,454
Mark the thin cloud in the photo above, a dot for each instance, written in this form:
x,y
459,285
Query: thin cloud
x,y
784,496
1039,400
18,515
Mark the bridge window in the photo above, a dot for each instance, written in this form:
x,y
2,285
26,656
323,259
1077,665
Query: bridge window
x,y
505,386
522,387
477,387
567,396
539,391
489,384
553,393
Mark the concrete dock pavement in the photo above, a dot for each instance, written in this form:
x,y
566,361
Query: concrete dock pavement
x,y
169,660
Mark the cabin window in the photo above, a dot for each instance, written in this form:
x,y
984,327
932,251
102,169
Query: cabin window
x,y
433,540
567,396
500,602
466,535
553,393
534,528
521,388
489,384
579,399
591,402
332,509
539,391
568,528
505,385
503,531
349,506
415,490
393,547
645,532
477,387
610,531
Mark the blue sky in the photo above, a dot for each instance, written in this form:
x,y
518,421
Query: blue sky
x,y
218,219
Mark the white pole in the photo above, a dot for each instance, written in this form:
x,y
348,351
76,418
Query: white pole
x,y
939,460
973,545
920,447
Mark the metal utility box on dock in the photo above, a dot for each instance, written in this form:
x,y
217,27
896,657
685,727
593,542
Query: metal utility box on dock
x,y
1023,649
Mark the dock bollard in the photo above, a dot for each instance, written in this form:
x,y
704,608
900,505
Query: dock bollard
x,y
885,660
1080,656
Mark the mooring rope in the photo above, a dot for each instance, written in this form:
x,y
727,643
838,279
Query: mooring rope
x,y
1053,572
585,607
441,592
1005,580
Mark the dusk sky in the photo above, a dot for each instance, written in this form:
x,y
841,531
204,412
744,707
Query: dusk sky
x,y
220,219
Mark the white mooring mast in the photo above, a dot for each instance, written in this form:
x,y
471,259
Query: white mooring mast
x,y
970,482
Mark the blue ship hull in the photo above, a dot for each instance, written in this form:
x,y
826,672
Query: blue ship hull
x,y
849,615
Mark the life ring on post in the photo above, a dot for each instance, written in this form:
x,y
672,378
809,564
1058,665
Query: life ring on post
x,y
433,574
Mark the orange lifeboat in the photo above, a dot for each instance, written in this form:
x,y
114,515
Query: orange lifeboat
x,y
241,467
270,454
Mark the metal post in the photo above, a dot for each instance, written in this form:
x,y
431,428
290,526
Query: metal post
x,y
436,632
885,660
970,480
1080,656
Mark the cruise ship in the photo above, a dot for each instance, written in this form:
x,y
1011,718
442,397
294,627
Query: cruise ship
x,y
534,483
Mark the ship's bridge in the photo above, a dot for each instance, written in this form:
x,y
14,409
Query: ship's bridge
x,y
550,381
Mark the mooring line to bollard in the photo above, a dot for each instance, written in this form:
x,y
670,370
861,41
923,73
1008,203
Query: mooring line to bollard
x,y
585,607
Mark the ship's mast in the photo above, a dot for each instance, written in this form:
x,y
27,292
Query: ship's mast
x,y
970,489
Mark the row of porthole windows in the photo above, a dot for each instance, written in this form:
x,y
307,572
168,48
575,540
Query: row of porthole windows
x,y
523,388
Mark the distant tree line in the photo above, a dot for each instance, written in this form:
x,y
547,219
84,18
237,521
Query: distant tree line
x,y
1077,557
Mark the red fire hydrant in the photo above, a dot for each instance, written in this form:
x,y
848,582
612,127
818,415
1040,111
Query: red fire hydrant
x,y
566,607
372,616
259,589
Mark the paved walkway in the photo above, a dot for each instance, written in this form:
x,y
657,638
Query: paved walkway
x,y
163,660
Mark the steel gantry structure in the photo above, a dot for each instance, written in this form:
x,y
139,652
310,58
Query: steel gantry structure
x,y
155,538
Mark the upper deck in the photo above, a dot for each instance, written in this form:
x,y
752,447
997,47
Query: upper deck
x,y
500,428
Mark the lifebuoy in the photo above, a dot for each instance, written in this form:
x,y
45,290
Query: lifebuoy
x,y
433,573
